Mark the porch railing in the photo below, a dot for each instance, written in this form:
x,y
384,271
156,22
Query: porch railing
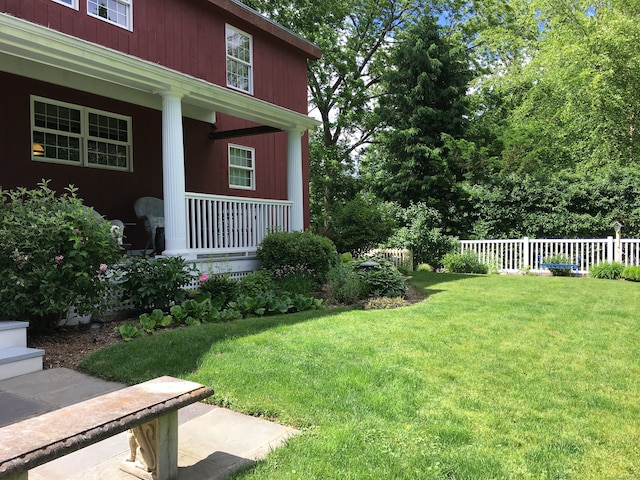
x,y
527,253
219,224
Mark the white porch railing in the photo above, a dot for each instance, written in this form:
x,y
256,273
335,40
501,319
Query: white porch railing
x,y
218,224
527,253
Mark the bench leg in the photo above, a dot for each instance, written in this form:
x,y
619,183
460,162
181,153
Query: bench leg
x,y
154,449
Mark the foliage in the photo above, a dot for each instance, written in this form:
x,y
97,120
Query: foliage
x,y
129,331
559,259
382,281
157,318
422,234
361,223
631,273
54,254
220,286
424,105
610,271
155,282
464,263
344,285
294,279
255,283
298,248
564,205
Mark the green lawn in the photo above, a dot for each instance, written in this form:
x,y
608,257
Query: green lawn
x,y
491,377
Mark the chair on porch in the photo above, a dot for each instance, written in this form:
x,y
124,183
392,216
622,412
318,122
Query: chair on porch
x,y
151,211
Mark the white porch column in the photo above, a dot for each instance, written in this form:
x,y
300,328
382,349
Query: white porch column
x,y
294,179
173,177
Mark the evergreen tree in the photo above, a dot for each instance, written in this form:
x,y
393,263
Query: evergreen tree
x,y
421,120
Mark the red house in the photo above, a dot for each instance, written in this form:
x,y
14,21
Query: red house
x,y
201,103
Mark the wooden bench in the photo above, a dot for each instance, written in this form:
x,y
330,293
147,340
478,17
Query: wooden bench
x,y
149,410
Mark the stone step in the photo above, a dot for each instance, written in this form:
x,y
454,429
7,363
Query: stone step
x,y
16,361
13,333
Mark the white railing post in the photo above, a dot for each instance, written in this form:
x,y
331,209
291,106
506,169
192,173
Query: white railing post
x,y
525,252
610,249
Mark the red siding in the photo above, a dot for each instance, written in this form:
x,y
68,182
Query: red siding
x,y
112,193
185,35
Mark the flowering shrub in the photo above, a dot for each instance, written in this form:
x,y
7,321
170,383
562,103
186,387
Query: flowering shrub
x,y
219,286
54,253
155,282
294,279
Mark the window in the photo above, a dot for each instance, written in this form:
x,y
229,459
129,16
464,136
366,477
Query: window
x,y
241,167
75,135
69,3
117,12
239,60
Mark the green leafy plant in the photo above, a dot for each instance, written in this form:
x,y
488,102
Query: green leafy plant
x,y
344,285
219,286
559,259
610,271
295,279
157,318
464,263
317,253
55,254
155,282
631,273
383,281
255,283
129,331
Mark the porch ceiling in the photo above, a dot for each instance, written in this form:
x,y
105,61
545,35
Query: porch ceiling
x,y
37,52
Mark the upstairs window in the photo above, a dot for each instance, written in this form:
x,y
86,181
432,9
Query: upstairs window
x,y
117,12
239,60
74,135
69,3
241,167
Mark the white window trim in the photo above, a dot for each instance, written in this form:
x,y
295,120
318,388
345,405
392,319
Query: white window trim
x,y
252,170
128,3
231,28
74,4
84,135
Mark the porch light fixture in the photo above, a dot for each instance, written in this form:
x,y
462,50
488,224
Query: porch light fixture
x,y
38,150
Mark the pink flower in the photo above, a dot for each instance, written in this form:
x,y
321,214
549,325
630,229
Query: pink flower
x,y
59,258
203,278
103,267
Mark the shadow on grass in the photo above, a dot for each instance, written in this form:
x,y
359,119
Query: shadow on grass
x,y
423,282
178,352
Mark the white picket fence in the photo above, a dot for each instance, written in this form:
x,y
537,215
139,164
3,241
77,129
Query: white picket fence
x,y
397,256
514,255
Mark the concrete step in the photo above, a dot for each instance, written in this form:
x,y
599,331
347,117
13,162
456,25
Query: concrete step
x,y
13,333
16,361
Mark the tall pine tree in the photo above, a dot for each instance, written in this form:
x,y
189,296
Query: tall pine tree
x,y
422,121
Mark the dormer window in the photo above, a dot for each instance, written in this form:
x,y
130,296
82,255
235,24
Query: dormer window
x,y
117,12
239,60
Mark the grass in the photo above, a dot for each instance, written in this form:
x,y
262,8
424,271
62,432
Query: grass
x,y
492,377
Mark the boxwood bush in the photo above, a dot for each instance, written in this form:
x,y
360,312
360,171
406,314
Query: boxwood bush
x,y
631,273
317,253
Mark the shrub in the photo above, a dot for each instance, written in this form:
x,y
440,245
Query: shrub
x,y
298,248
383,281
219,286
559,272
631,273
155,282
256,283
610,271
344,285
54,254
464,263
422,234
294,279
